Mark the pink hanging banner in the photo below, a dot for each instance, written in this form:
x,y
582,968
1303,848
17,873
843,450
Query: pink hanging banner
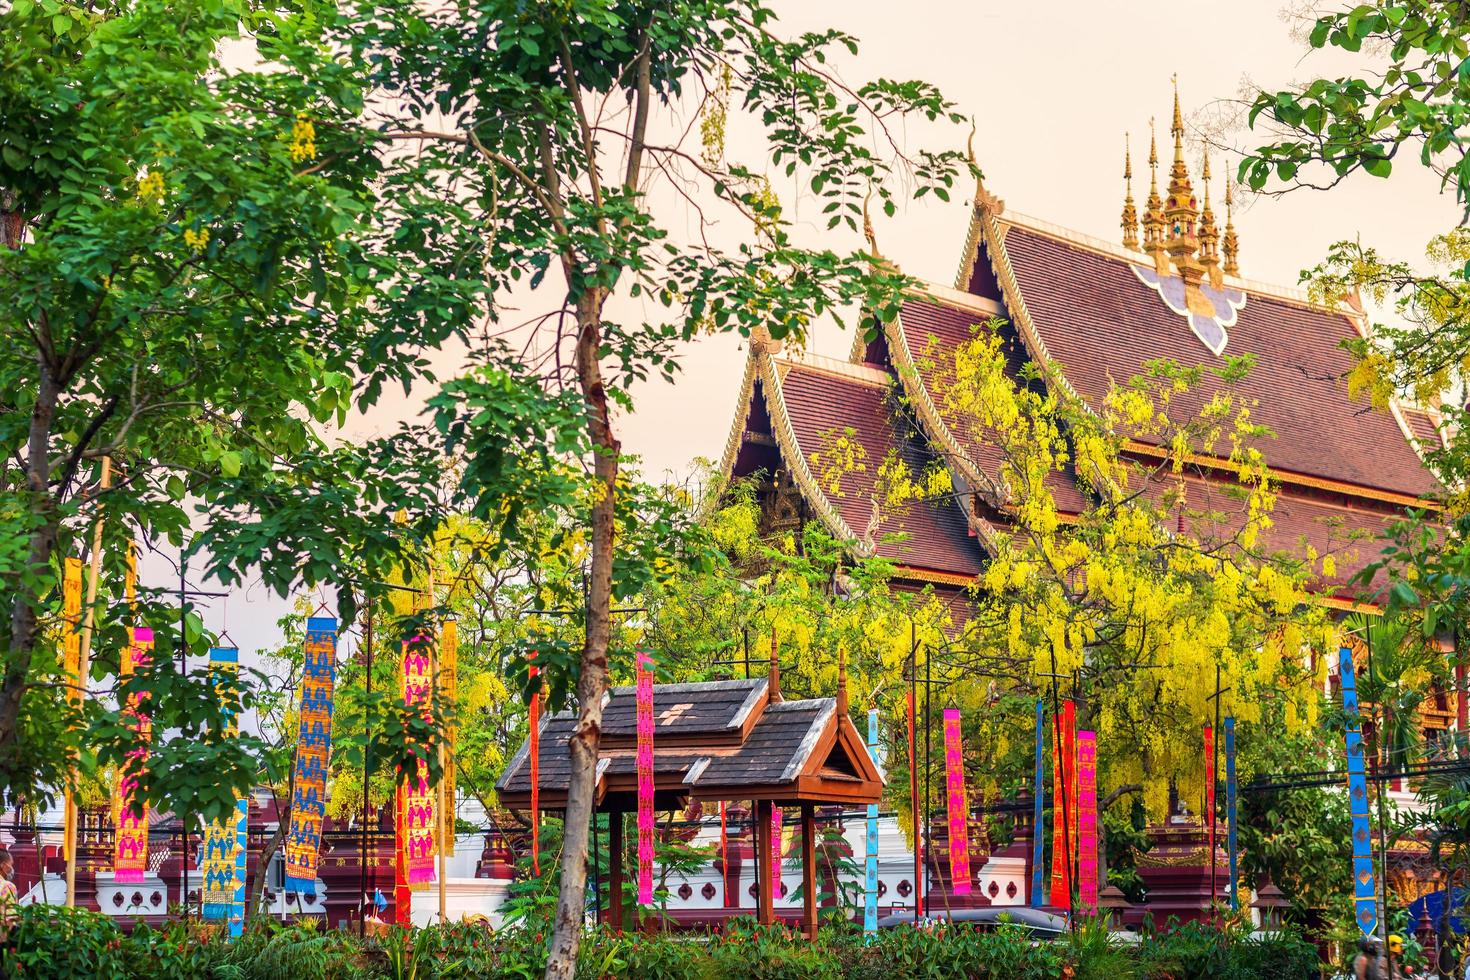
x,y
645,779
130,854
959,811
417,799
1087,821
534,741
776,843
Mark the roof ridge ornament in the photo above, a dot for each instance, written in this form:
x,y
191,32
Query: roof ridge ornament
x,y
985,202
1153,215
1130,211
1230,244
1209,233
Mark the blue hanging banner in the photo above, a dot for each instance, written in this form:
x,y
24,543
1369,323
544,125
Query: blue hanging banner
x,y
313,753
1230,790
223,864
870,884
1365,888
1038,837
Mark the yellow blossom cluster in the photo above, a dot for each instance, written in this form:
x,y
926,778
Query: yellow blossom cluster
x,y
303,139
1127,607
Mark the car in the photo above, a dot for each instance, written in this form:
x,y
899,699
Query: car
x,y
1035,922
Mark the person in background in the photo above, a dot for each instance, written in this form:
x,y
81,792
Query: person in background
x,y
1368,964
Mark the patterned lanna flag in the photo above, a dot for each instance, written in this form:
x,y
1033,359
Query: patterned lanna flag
x,y
417,798
644,761
313,751
223,865
959,810
71,647
1087,877
130,858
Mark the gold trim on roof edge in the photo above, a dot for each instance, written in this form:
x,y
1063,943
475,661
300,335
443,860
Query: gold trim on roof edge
x,y
939,433
1287,476
791,452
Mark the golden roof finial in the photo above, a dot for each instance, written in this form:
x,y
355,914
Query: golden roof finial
x,y
1209,235
868,232
985,202
1153,213
1230,243
1181,211
1130,212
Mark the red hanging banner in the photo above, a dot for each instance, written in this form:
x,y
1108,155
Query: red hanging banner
x,y
959,814
1064,806
645,778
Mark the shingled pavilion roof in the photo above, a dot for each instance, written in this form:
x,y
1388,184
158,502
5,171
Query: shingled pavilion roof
x,y
716,740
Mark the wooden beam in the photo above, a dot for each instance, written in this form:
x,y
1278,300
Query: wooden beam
x,y
615,869
809,868
765,903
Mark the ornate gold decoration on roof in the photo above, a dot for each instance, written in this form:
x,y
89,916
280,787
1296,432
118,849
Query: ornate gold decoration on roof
x,y
1181,210
1130,212
1153,215
985,202
1209,234
1230,244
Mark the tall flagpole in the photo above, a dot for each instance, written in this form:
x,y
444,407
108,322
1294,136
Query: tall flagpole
x,y
83,670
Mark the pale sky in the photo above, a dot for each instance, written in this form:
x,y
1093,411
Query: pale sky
x,y
1052,87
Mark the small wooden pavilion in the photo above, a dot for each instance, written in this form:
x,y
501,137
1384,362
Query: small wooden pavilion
x,y
714,741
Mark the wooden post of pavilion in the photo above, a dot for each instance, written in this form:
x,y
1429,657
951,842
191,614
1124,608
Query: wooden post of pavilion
x,y
615,869
809,868
765,901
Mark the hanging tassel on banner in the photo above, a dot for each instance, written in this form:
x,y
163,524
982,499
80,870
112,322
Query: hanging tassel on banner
x,y
1087,879
1038,816
959,812
313,753
644,708
534,723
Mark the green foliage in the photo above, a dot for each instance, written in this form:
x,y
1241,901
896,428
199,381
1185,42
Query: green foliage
x,y
63,944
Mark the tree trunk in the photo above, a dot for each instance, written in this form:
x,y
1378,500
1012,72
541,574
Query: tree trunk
x,y
257,887
23,620
592,684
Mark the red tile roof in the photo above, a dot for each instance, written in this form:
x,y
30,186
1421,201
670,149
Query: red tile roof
x,y
933,331
1215,512
822,405
1101,324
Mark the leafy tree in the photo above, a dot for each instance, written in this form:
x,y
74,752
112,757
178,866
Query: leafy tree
x,y
187,257
1408,89
1138,604
538,129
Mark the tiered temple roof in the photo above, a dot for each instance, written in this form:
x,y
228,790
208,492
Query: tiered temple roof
x,y
1097,313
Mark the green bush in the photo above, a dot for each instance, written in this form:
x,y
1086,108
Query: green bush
x,y
64,944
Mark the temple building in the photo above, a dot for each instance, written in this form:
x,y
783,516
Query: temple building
x,y
1097,312
1094,312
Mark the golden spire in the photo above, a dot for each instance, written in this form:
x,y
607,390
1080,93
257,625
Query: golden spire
x,y
1181,211
1209,235
1230,244
1153,214
1130,213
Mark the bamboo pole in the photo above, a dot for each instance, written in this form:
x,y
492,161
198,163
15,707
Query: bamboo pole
x,y
83,670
